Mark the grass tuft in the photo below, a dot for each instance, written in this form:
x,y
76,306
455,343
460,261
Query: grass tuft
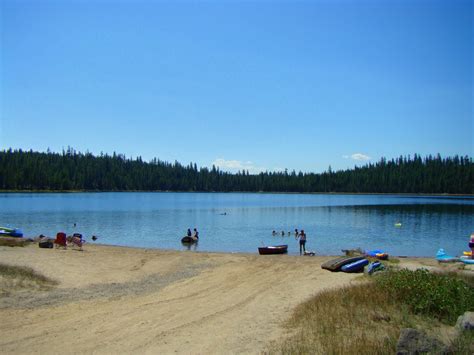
x,y
20,278
13,242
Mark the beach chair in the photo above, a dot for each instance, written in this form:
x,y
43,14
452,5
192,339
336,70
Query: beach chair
x,y
77,241
60,241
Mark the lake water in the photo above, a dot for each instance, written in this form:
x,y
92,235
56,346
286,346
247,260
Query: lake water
x,y
332,222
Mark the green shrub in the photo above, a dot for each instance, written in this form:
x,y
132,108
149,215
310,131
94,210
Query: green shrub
x,y
443,297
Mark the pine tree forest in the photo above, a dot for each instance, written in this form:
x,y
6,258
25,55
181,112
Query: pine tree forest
x,y
74,171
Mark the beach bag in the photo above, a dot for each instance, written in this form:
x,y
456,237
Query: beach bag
x,y
47,244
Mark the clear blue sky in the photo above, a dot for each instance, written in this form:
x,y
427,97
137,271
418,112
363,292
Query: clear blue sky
x,y
264,85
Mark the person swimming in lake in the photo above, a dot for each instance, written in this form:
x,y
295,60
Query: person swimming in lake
x,y
189,234
296,233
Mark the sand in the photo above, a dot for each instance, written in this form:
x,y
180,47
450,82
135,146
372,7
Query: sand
x,y
126,300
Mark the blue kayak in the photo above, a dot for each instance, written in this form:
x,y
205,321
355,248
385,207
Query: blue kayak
x,y
356,266
11,232
467,260
375,266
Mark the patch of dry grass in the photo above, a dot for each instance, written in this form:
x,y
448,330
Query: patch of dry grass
x,y
351,320
13,242
343,321
20,278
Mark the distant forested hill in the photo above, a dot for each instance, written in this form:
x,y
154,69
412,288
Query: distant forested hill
x,y
70,170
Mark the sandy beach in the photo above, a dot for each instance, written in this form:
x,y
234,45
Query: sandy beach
x,y
126,300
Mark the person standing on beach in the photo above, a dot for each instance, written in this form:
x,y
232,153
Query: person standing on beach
x,y
302,237
471,245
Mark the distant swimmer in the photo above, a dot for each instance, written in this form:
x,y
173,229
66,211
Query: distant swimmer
x,y
282,233
94,238
274,233
224,214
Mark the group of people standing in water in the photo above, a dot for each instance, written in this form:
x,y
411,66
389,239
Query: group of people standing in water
x,y
194,235
299,235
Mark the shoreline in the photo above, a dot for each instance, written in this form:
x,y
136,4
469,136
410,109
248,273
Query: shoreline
x,y
414,194
33,240
26,241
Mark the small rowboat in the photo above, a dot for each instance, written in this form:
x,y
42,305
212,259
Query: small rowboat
x,y
275,249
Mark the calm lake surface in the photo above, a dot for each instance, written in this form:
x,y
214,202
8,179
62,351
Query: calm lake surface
x,y
240,222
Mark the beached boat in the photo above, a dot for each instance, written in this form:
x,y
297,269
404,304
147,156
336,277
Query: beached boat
x,y
11,232
356,266
336,264
466,260
273,249
375,266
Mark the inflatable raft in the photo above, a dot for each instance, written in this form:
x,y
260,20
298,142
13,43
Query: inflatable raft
x,y
442,257
11,232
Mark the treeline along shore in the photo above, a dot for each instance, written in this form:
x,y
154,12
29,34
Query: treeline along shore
x,y
71,170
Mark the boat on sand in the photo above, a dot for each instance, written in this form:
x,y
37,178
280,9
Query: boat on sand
x,y
11,232
273,249
338,263
356,266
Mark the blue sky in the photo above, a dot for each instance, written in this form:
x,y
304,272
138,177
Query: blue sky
x,y
261,85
